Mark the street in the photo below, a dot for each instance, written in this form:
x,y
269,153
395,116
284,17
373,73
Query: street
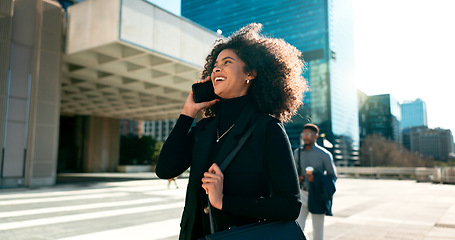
x,y
147,209
114,210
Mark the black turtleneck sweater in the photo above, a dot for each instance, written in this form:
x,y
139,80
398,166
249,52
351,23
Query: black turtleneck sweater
x,y
227,114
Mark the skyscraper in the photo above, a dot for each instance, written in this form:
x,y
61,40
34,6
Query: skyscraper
x,y
414,114
363,114
383,117
322,30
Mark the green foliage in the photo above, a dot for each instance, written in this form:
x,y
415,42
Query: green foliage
x,y
379,152
450,163
157,151
137,151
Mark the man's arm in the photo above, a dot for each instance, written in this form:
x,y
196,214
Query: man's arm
x,y
329,165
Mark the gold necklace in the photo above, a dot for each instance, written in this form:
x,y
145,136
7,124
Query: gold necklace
x,y
217,134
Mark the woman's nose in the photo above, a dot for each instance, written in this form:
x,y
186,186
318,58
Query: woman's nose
x,y
216,69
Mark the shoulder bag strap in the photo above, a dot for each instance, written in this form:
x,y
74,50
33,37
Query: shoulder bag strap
x,y
224,165
234,152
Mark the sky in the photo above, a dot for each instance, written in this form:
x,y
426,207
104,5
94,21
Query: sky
x,y
405,48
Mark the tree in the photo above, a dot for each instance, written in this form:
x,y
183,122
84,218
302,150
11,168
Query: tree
x,y
157,151
136,151
380,152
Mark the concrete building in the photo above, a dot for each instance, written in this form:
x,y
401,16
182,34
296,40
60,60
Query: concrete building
x,y
436,143
121,59
159,130
30,91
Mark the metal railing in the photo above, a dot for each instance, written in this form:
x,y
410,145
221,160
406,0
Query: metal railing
x,y
420,174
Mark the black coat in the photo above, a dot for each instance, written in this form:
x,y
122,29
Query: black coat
x,y
321,194
260,183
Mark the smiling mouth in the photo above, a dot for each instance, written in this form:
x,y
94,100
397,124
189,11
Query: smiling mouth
x,y
219,79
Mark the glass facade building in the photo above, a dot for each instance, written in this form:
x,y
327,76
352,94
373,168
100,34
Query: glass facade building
x,y
414,114
322,30
383,117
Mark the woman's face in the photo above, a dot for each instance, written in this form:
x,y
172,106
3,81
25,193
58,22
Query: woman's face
x,y
228,77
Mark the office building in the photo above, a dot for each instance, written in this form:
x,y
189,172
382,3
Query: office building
x,y
322,30
130,127
363,114
414,114
158,130
436,143
382,115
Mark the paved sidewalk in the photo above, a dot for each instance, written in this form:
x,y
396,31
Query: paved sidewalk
x,y
363,208
74,178
391,209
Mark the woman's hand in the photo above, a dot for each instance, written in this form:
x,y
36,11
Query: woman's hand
x,y
212,183
191,108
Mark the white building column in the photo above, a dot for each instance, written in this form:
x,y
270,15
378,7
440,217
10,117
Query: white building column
x,y
30,138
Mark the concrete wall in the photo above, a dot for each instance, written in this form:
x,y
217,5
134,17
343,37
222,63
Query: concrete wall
x,y
33,96
98,22
6,25
45,99
92,23
24,40
164,32
101,144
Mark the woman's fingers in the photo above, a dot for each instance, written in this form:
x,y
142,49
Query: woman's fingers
x,y
215,169
191,108
205,105
214,175
210,186
203,80
212,178
212,183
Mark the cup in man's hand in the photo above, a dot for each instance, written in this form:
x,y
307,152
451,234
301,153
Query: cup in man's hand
x,y
309,173
309,170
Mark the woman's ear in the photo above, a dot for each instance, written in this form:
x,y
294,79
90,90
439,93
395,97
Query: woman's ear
x,y
252,74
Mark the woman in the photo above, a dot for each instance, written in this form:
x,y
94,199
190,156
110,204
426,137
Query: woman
x,y
260,80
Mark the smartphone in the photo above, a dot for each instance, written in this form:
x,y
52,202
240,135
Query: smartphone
x,y
204,92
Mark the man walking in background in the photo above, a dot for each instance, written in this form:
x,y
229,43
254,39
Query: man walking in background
x,y
317,176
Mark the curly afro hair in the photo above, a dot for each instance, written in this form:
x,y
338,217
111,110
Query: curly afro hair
x,y
279,86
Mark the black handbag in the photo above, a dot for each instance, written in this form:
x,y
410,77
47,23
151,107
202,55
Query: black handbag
x,y
289,230
286,230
